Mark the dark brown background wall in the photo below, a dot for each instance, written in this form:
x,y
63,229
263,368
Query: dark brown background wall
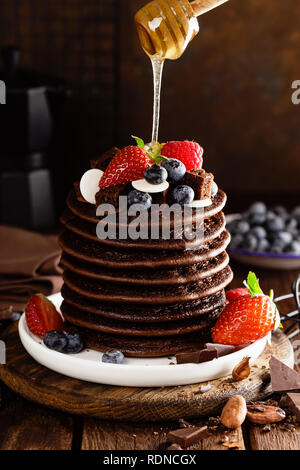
x,y
231,91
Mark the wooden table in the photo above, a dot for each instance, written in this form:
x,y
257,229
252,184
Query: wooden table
x,y
24,425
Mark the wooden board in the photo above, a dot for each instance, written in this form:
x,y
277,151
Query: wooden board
x,y
36,383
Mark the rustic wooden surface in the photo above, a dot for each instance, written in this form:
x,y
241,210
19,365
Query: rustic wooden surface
x,y
24,425
37,383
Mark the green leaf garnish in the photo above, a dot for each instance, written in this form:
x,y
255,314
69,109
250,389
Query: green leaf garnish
x,y
252,284
139,141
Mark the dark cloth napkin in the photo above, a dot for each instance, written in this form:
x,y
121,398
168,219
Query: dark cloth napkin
x,y
28,265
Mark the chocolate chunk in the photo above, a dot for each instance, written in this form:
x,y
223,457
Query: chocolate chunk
x,y
196,357
174,447
293,404
111,195
188,357
186,437
283,378
103,161
207,355
200,181
222,349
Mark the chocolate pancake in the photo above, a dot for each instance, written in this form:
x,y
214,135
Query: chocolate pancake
x,y
87,211
105,291
147,298
139,346
95,322
108,257
145,313
179,275
211,228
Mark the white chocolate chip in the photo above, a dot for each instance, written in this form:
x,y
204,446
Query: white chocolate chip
x,y
145,187
200,203
89,184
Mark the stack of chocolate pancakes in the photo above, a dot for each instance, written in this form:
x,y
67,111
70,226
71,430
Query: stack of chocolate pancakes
x,y
146,298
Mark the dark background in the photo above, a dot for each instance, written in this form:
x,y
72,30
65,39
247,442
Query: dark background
x,y
231,91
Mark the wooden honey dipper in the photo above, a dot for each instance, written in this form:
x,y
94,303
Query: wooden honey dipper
x,y
166,27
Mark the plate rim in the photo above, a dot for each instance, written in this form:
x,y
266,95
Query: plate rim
x,y
164,374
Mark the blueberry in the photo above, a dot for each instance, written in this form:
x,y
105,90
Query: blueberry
x,y
270,215
230,226
175,169
183,195
284,238
215,189
156,174
293,248
250,243
236,241
280,210
74,344
113,357
257,208
276,224
258,232
291,224
263,246
277,248
56,340
296,212
257,219
242,227
142,199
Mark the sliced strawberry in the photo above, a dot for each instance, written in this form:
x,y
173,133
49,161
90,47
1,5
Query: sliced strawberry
x,y
247,318
42,316
189,153
128,165
235,293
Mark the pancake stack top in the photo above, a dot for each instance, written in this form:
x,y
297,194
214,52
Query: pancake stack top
x,y
145,298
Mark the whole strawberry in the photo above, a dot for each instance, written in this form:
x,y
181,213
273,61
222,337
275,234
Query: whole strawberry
x,y
128,165
42,316
189,153
247,318
236,293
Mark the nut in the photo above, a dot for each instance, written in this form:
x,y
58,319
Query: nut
x,y
234,412
264,414
242,370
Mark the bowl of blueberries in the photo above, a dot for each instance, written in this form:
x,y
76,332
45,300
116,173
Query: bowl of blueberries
x,y
264,237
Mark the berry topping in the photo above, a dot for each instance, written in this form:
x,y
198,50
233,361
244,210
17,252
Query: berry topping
x,y
247,318
56,340
235,293
156,174
189,153
183,195
144,200
113,357
74,344
175,168
128,165
42,316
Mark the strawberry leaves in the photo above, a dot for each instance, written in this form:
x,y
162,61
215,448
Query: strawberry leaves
x,y
252,284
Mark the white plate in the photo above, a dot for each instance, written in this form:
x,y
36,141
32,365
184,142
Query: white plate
x,y
263,260
135,372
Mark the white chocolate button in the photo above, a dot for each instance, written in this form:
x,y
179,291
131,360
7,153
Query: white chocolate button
x,y
200,203
145,187
89,184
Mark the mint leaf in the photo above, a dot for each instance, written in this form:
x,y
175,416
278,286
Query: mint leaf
x,y
139,141
252,284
